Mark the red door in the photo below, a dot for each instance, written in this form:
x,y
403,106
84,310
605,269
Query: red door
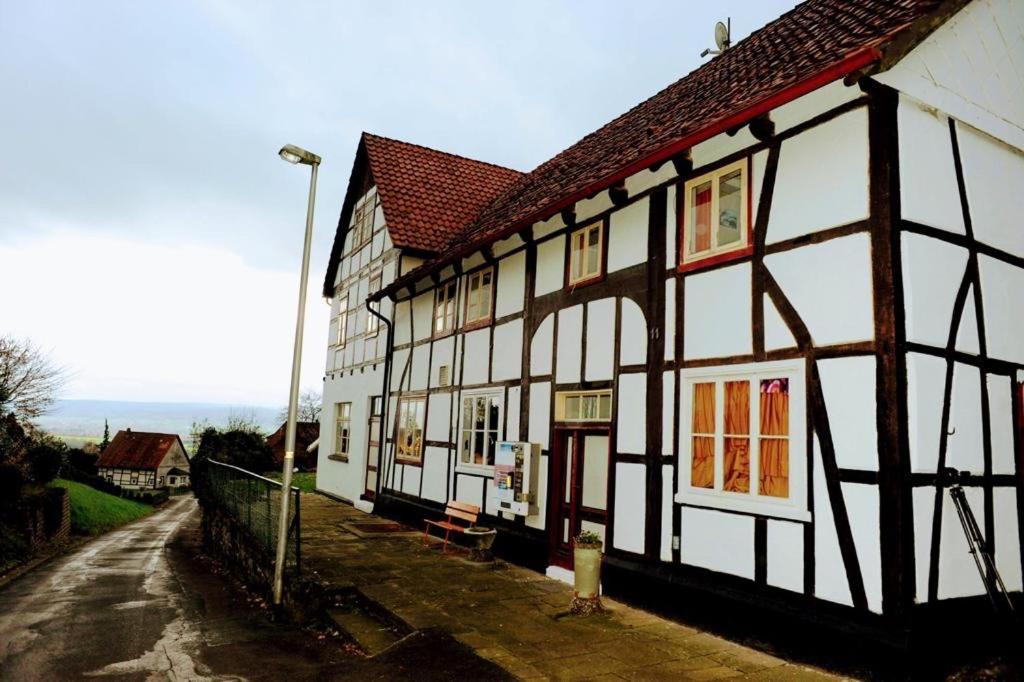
x,y
577,489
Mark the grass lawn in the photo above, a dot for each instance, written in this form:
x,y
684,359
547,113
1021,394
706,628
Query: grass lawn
x,y
94,512
303,480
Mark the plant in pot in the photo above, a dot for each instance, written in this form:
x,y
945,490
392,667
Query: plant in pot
x,y
481,539
587,573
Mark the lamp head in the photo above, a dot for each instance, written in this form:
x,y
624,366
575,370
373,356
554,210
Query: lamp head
x,y
293,154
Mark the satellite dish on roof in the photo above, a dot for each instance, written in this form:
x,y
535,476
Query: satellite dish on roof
x,y
722,38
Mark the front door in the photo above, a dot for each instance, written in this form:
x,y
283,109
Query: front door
x,y
578,489
372,448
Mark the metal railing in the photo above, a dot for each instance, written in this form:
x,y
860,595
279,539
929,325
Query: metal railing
x,y
254,501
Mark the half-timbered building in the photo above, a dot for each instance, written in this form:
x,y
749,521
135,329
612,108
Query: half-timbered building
x,y
746,325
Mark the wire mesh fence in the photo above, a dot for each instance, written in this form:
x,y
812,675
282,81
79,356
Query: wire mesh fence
x,y
255,503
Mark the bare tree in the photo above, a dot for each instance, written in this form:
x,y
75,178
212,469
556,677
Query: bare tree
x,y
29,380
308,409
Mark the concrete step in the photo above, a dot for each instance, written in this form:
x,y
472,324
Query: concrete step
x,y
372,634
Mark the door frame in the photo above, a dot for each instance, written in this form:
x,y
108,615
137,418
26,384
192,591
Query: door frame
x,y
372,433
560,553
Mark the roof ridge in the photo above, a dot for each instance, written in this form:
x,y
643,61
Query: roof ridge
x,y
441,151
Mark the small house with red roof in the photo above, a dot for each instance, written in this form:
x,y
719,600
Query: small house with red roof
x,y
135,459
306,437
740,332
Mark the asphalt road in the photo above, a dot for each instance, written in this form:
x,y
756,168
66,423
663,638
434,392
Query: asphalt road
x,y
142,603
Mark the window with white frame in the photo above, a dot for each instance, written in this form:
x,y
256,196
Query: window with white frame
x,y
583,406
444,307
341,321
480,428
342,428
372,321
743,438
478,295
362,220
715,213
409,430
585,254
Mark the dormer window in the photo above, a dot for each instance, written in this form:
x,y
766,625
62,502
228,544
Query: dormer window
x,y
362,220
715,221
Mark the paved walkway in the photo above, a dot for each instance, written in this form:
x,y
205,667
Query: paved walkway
x,y
513,616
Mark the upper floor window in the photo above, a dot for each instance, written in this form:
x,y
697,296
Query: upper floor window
x,y
362,220
586,254
743,439
372,321
583,406
478,295
714,217
444,307
342,320
481,419
410,417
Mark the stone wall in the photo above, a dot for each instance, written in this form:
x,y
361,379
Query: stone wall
x,y
45,518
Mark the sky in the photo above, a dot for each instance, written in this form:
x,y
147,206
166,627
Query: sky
x,y
151,238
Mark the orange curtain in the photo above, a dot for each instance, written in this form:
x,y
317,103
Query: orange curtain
x,y
702,468
737,450
702,219
774,475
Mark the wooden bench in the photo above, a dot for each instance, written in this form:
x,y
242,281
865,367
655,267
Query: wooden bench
x,y
454,510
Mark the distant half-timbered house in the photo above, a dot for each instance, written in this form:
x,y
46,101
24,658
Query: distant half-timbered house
x,y
746,325
135,459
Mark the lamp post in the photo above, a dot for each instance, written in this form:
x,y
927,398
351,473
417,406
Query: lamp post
x,y
293,154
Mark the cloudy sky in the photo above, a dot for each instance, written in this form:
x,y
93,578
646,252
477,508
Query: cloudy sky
x,y
150,237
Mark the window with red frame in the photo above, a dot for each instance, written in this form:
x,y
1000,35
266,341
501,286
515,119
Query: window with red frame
x,y
715,221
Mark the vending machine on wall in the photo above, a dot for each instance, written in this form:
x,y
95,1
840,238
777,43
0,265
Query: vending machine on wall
x,y
514,488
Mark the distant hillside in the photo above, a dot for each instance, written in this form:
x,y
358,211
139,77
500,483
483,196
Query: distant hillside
x,y
81,421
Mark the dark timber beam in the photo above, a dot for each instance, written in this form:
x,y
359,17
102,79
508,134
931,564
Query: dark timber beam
x,y
683,163
569,215
762,128
618,194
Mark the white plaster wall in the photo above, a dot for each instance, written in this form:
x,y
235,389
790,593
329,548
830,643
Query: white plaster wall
x,y
1001,426
420,374
671,226
926,386
1002,288
758,162
786,555
928,189
833,156
1004,507
924,505
439,407
507,362
346,479
645,179
967,335
717,541
540,347
776,333
588,208
403,323
627,235
994,174
435,474
964,447
422,315
630,503
511,285
958,574
512,405
570,344
469,490
443,354
829,284
830,581
546,227
670,319
973,68
505,245
849,387
862,509
476,357
711,329
600,339
719,146
631,425
932,271
411,480
810,105
633,345
667,505
550,275
668,406
540,415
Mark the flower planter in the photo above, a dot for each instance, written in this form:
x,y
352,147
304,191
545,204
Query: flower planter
x,y
480,542
586,578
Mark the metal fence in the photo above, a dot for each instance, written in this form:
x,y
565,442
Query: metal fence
x,y
255,503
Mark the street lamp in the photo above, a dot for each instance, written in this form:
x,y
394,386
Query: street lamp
x,y
293,154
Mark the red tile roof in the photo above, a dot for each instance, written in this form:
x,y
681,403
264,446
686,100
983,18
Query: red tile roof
x,y
305,434
137,450
817,42
428,196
